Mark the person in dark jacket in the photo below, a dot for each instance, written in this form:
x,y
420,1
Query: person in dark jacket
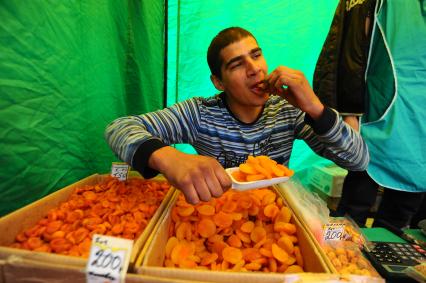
x,y
339,83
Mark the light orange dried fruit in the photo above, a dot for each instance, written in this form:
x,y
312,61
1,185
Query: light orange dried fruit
x,y
265,252
222,219
244,237
279,253
206,210
259,168
171,243
294,269
232,255
229,206
253,266
257,234
286,243
271,210
206,228
34,243
184,231
247,227
185,211
234,241
248,169
239,176
255,177
251,254
181,251
209,258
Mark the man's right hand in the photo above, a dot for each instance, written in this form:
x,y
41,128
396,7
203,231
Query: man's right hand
x,y
198,177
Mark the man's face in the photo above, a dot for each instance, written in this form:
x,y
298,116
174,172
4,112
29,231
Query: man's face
x,y
243,71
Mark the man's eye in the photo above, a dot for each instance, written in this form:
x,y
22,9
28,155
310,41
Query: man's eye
x,y
257,54
235,65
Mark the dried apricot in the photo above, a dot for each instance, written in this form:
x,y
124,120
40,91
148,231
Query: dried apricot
x,y
222,219
206,228
206,210
257,234
279,254
232,255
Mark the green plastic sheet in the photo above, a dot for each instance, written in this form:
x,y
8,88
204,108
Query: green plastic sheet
x,y
67,69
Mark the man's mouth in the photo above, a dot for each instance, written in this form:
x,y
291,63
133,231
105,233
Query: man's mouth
x,y
259,87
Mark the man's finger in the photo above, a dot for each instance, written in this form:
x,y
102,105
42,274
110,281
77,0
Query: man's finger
x,y
213,184
190,194
224,179
202,189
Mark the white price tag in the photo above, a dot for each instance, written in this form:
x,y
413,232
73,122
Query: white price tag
x,y
108,260
334,231
120,170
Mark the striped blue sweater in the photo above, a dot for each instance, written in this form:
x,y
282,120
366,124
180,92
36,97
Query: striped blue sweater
x,y
209,126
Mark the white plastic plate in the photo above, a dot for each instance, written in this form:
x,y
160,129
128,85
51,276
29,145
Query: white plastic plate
x,y
243,186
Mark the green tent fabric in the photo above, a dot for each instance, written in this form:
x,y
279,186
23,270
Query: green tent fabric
x,y
67,69
393,126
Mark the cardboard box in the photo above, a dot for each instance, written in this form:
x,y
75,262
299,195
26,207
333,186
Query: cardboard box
x,y
152,256
2,263
19,270
328,179
26,217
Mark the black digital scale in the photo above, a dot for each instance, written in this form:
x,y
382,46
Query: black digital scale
x,y
391,259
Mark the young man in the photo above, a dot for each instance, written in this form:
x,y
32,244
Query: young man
x,y
244,119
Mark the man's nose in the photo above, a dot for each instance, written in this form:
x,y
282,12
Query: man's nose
x,y
252,67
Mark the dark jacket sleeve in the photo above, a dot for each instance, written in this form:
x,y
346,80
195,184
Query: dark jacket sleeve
x,y
325,74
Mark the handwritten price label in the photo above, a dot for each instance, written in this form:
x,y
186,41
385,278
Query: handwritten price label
x,y
334,231
108,260
120,170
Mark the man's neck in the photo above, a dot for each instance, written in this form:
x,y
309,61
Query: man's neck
x,y
244,114
247,115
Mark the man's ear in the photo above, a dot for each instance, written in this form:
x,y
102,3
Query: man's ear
x,y
217,82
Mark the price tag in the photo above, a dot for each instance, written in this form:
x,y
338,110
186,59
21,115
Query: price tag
x,y
334,231
120,170
108,260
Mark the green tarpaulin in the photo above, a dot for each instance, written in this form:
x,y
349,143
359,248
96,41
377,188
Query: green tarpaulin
x,y
67,68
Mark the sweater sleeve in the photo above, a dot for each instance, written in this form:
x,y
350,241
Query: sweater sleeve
x,y
333,139
134,138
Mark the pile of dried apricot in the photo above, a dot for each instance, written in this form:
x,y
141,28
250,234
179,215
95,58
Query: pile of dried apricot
x,y
120,209
347,258
240,231
260,168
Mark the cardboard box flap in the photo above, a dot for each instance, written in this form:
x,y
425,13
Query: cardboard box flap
x,y
18,270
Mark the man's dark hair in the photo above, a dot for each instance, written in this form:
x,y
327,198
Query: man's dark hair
x,y
220,41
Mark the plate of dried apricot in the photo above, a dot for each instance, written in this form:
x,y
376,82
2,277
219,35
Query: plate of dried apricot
x,y
258,172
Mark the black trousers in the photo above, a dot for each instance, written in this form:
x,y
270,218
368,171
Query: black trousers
x,y
420,215
359,193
